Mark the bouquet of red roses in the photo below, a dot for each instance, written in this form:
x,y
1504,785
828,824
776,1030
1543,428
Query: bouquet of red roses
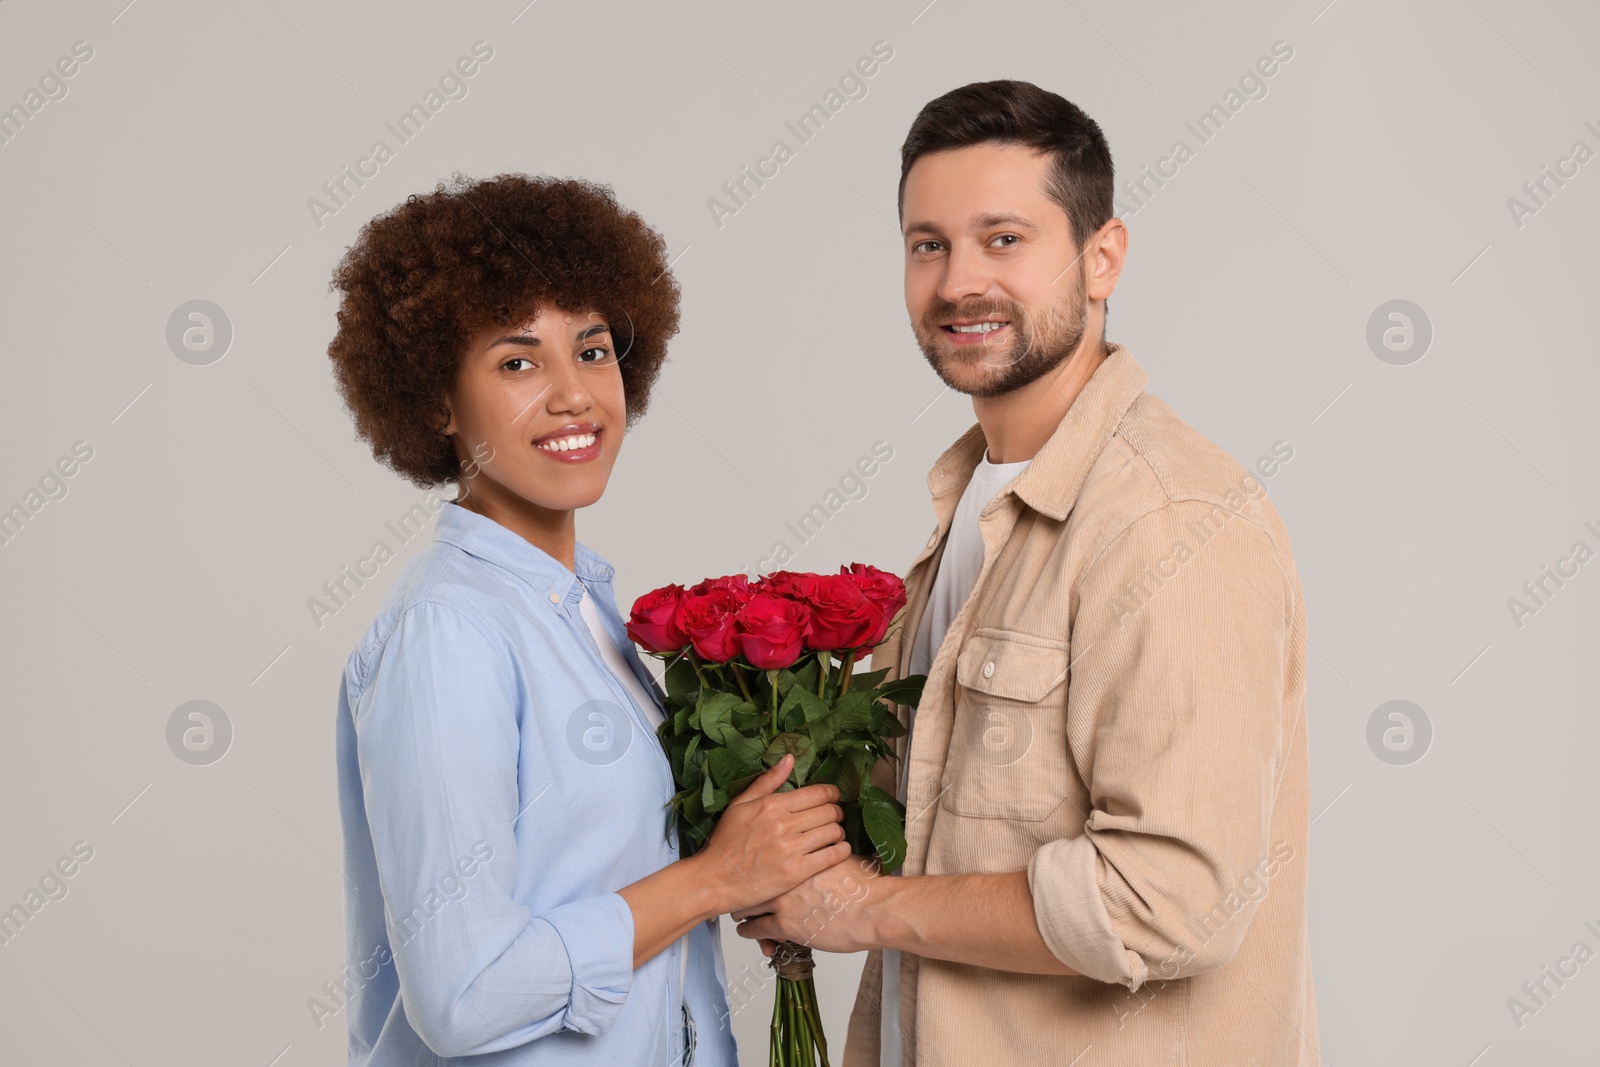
x,y
759,670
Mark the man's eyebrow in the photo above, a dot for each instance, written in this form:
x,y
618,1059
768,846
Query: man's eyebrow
x,y
986,221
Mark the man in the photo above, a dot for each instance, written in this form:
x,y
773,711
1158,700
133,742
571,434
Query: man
x,y
1106,777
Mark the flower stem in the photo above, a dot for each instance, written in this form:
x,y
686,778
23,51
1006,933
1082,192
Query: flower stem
x,y
845,671
772,679
738,676
823,661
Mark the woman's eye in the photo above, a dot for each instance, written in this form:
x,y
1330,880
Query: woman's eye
x,y
601,354
507,365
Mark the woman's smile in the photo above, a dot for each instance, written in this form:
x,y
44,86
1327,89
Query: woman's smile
x,y
573,443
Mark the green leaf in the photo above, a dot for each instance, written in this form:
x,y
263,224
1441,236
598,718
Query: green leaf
x,y
884,819
682,683
848,778
858,763
855,710
885,723
690,808
866,680
829,770
789,701
813,706
806,676
805,755
727,767
822,731
747,718
716,715
907,690
748,749
793,719
692,771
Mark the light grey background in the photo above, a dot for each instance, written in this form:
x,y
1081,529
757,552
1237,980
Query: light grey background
x,y
219,498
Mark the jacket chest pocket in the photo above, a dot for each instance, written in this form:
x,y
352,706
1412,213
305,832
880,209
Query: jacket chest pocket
x,y
1008,749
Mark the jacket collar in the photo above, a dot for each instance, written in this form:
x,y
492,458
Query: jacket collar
x,y
1050,483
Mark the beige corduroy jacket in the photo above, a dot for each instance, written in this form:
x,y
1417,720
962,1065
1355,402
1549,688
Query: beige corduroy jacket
x,y
1119,710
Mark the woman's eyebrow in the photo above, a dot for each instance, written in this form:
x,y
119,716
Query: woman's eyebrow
x,y
516,339
532,341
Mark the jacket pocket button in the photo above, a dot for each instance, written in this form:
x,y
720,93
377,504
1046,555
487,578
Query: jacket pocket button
x,y
988,669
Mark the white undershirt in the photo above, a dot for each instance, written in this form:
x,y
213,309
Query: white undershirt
x,y
958,572
613,657
647,704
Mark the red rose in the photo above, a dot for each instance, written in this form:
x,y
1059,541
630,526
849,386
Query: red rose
x,y
653,624
792,584
737,584
771,630
886,592
708,620
842,616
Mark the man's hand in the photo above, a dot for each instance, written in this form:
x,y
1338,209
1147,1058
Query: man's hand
x,y
831,911
982,919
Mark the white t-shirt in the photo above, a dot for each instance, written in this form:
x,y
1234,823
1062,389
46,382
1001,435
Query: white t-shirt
x,y
647,704
613,657
958,572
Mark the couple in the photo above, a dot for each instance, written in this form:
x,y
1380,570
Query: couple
x,y
1105,778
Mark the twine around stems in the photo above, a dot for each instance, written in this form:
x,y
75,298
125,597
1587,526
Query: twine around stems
x,y
792,961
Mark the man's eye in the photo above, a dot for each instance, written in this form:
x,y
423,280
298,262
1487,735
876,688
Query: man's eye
x,y
924,246
1009,238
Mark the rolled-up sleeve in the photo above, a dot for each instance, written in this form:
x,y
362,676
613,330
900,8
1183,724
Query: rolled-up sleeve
x,y
1176,719
438,743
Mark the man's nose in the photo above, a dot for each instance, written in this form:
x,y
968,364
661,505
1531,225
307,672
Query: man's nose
x,y
965,275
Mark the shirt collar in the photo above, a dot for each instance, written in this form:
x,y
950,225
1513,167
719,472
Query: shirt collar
x,y
481,536
1050,483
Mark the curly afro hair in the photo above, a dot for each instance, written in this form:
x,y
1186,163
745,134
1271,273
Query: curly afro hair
x,y
421,280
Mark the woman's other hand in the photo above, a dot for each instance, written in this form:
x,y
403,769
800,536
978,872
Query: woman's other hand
x,y
768,842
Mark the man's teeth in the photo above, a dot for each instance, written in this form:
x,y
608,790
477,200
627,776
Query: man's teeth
x,y
982,327
567,444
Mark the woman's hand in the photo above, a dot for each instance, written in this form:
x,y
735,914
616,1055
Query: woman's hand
x,y
767,842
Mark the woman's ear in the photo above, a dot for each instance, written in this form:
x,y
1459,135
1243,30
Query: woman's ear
x,y
444,420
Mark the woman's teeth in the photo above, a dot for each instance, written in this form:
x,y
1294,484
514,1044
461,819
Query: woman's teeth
x,y
568,444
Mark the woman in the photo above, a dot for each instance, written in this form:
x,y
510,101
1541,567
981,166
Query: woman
x,y
513,893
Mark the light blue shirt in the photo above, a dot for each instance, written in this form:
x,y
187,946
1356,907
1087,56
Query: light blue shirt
x,y
497,786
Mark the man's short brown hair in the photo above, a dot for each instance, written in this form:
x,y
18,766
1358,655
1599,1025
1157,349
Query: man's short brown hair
x,y
1021,113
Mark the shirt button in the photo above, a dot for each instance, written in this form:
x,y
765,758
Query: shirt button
x,y
988,669
555,598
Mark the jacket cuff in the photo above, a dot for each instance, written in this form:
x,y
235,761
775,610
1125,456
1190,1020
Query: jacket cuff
x,y
597,933
1072,917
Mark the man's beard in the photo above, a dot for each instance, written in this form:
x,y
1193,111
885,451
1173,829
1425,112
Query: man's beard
x,y
1042,341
